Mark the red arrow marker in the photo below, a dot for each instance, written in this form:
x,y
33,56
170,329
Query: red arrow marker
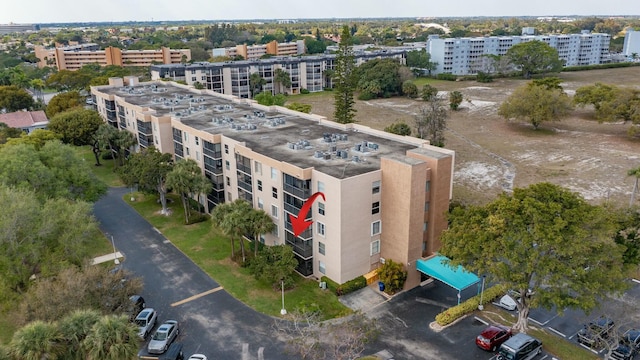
x,y
299,223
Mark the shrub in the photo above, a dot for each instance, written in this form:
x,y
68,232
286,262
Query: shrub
x,y
331,285
446,76
304,91
454,313
393,275
365,95
398,128
484,77
346,288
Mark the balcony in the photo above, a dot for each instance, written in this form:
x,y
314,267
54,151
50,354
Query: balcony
x,y
300,193
302,248
245,169
307,234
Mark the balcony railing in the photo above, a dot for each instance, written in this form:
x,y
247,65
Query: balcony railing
x,y
307,234
304,248
300,193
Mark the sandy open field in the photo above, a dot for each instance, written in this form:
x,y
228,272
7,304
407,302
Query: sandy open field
x,y
494,155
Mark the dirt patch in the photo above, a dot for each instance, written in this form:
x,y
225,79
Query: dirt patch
x,y
493,155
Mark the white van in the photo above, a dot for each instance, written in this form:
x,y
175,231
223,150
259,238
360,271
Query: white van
x,y
520,347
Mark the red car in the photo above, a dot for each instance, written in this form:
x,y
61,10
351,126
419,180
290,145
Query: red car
x,y
491,337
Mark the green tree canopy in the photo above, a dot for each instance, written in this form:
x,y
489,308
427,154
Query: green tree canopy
x,y
420,59
64,101
534,57
304,108
546,242
536,104
428,92
7,133
273,264
13,98
268,99
384,73
455,99
77,127
231,219
398,128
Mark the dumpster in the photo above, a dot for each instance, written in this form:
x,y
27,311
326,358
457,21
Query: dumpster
x,y
381,285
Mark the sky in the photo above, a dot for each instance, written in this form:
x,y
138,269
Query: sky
x,y
52,11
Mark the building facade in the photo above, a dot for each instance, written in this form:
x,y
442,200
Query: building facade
x,y
76,56
14,28
467,56
253,52
232,77
385,195
631,48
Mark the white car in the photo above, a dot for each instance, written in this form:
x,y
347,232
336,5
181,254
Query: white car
x,y
507,302
197,357
145,321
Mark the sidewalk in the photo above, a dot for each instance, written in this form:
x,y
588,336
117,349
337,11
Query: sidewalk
x,y
364,299
105,258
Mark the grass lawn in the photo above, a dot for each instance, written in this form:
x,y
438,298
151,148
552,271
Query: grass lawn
x,y
211,250
104,172
553,344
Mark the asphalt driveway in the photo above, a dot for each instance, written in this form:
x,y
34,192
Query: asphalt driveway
x,y
211,321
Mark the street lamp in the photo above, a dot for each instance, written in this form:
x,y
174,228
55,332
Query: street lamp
x,y
480,306
283,311
115,256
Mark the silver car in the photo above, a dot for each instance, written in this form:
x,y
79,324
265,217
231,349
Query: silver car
x,y
145,321
163,337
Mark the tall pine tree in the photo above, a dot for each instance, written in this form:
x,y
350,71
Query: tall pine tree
x,y
344,79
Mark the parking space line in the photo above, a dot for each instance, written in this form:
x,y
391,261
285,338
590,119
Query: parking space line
x,y
636,281
588,348
197,296
482,321
557,332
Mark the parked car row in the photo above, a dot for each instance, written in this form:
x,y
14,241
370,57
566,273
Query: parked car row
x,y
595,332
509,346
628,345
161,341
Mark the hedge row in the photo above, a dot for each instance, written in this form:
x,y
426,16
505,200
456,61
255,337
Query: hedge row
x,y
600,66
454,313
346,288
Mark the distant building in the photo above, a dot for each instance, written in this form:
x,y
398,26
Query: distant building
x,y
528,30
631,43
232,77
13,28
27,121
76,56
467,56
252,52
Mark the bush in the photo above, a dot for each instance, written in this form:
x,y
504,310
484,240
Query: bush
x,y
454,313
198,217
304,91
600,66
484,77
346,288
365,95
393,275
107,155
446,76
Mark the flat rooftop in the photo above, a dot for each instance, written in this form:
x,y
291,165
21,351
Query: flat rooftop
x,y
294,139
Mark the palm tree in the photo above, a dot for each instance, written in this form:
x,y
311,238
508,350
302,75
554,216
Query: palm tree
x,y
113,337
634,172
186,178
257,82
231,219
74,328
259,223
123,142
38,340
282,78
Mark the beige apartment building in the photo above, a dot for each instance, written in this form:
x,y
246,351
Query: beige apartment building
x,y
253,52
385,195
75,57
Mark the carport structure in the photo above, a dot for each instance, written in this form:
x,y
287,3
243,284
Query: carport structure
x,y
455,276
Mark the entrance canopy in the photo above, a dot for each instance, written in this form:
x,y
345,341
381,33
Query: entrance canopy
x,y
438,268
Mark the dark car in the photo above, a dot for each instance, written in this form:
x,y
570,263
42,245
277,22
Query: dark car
x,y
493,336
135,306
628,345
595,332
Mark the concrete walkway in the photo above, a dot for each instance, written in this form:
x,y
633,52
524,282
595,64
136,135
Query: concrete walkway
x,y
108,257
365,299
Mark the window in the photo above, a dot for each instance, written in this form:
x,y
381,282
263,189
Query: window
x,y
198,155
275,231
187,150
227,165
425,226
375,227
226,149
427,186
274,192
260,204
274,211
321,247
228,181
375,247
274,174
259,185
229,196
197,141
375,187
426,207
321,229
186,137
321,208
320,186
257,167
375,207
321,267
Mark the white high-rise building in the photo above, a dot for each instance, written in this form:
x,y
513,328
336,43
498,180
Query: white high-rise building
x,y
467,56
631,43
